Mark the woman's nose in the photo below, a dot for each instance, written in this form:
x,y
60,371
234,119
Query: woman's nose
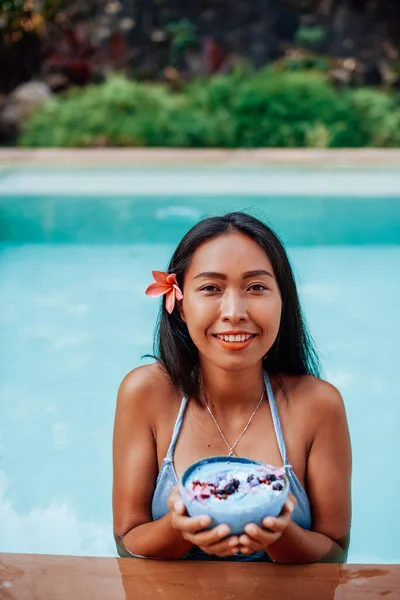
x,y
233,307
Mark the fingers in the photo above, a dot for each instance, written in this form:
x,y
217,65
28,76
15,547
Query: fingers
x,y
216,540
226,547
175,501
180,519
211,536
290,504
278,524
249,545
257,538
189,525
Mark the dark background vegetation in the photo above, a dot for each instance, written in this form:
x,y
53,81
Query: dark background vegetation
x,y
193,59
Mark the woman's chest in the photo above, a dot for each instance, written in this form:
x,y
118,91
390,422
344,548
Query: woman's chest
x,y
199,437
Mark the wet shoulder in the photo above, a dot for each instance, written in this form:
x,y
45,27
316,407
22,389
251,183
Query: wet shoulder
x,y
312,399
148,389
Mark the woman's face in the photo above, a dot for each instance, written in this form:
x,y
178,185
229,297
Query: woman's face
x,y
231,302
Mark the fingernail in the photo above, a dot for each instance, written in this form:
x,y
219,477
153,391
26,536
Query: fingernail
x,y
290,505
204,521
233,542
223,530
178,506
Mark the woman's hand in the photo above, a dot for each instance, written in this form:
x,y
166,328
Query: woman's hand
x,y
211,541
257,538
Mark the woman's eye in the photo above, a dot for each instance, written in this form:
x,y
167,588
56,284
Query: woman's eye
x,y
257,287
210,288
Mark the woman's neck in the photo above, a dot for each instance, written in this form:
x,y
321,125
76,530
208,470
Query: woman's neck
x,y
233,391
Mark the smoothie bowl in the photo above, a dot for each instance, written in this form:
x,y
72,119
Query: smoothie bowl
x,y
234,491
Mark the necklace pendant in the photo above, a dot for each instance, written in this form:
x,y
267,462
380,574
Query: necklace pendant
x,y
232,453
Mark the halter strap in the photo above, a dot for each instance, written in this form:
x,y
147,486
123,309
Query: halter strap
x,y
276,421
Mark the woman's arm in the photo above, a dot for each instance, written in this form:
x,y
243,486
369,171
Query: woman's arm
x,y
135,471
298,545
157,540
328,482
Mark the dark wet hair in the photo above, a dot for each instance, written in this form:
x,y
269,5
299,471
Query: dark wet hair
x,y
293,352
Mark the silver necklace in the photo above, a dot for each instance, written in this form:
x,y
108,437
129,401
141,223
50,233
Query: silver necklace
x,y
231,448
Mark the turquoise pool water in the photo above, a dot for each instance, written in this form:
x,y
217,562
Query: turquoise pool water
x,y
74,319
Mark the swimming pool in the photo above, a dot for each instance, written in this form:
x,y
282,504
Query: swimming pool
x,y
74,262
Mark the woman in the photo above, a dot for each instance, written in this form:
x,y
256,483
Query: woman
x,y
236,374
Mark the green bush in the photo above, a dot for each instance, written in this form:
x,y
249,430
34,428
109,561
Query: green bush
x,y
118,113
377,115
282,110
243,109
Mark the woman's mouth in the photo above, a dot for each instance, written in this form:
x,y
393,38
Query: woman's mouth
x,y
234,341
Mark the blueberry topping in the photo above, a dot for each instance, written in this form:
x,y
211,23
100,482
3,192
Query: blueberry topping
x,y
277,486
252,478
229,489
223,485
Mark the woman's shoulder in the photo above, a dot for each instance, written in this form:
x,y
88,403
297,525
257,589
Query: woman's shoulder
x,y
145,378
313,396
147,386
311,387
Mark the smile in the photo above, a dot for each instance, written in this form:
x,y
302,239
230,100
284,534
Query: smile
x,y
241,337
234,341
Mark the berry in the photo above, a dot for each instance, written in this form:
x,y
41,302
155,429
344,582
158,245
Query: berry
x,y
253,480
229,488
277,486
271,477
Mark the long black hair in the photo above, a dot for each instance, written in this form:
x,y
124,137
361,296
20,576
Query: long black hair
x,y
293,352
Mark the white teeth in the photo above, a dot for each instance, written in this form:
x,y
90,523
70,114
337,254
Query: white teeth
x,y
242,337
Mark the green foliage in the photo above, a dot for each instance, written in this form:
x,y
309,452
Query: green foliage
x,y
309,37
303,61
118,113
182,34
243,109
279,110
377,117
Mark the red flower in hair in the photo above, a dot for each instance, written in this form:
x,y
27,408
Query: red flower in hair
x,y
165,284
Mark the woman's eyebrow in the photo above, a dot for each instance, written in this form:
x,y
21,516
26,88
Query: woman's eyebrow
x,y
256,273
247,275
211,274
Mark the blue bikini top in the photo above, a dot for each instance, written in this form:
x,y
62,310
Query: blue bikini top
x,y
167,478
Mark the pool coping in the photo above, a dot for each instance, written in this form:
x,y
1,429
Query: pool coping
x,y
79,157
75,578
189,173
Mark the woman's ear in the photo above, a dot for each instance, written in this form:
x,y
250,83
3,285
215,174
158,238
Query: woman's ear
x,y
180,308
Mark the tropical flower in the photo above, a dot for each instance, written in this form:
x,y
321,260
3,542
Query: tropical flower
x,y
165,284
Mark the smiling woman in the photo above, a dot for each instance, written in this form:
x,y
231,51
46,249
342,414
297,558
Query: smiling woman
x,y
232,331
